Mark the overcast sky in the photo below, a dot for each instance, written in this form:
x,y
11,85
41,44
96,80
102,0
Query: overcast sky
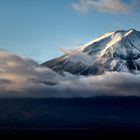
x,y
38,28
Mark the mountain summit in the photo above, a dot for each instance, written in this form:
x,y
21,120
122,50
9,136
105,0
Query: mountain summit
x,y
113,51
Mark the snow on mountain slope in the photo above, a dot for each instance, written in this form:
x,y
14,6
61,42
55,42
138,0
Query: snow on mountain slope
x,y
113,51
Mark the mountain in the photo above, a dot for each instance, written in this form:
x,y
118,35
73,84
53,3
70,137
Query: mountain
x,y
113,51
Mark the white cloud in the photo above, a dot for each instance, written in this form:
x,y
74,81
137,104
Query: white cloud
x,y
66,51
117,6
20,78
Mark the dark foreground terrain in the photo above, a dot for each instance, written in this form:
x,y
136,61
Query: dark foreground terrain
x,y
100,116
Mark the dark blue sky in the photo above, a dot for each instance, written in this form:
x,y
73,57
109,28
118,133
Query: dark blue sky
x,y
38,28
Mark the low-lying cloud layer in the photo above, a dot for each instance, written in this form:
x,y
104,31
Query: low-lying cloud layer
x,y
20,77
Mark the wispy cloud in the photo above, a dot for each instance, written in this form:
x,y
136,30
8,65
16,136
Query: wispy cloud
x,y
115,6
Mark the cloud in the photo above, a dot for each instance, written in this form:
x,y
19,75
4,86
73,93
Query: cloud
x,y
101,5
66,51
76,56
109,84
21,77
115,6
5,81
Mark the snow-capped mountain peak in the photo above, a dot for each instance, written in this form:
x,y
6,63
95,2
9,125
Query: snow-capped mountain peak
x,y
113,51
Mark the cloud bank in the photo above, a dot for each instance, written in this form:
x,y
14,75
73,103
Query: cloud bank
x,y
115,6
20,77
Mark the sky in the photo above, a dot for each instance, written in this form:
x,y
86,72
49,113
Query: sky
x,y
39,28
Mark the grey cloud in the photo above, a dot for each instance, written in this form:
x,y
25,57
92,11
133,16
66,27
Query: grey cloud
x,y
109,84
5,81
20,78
